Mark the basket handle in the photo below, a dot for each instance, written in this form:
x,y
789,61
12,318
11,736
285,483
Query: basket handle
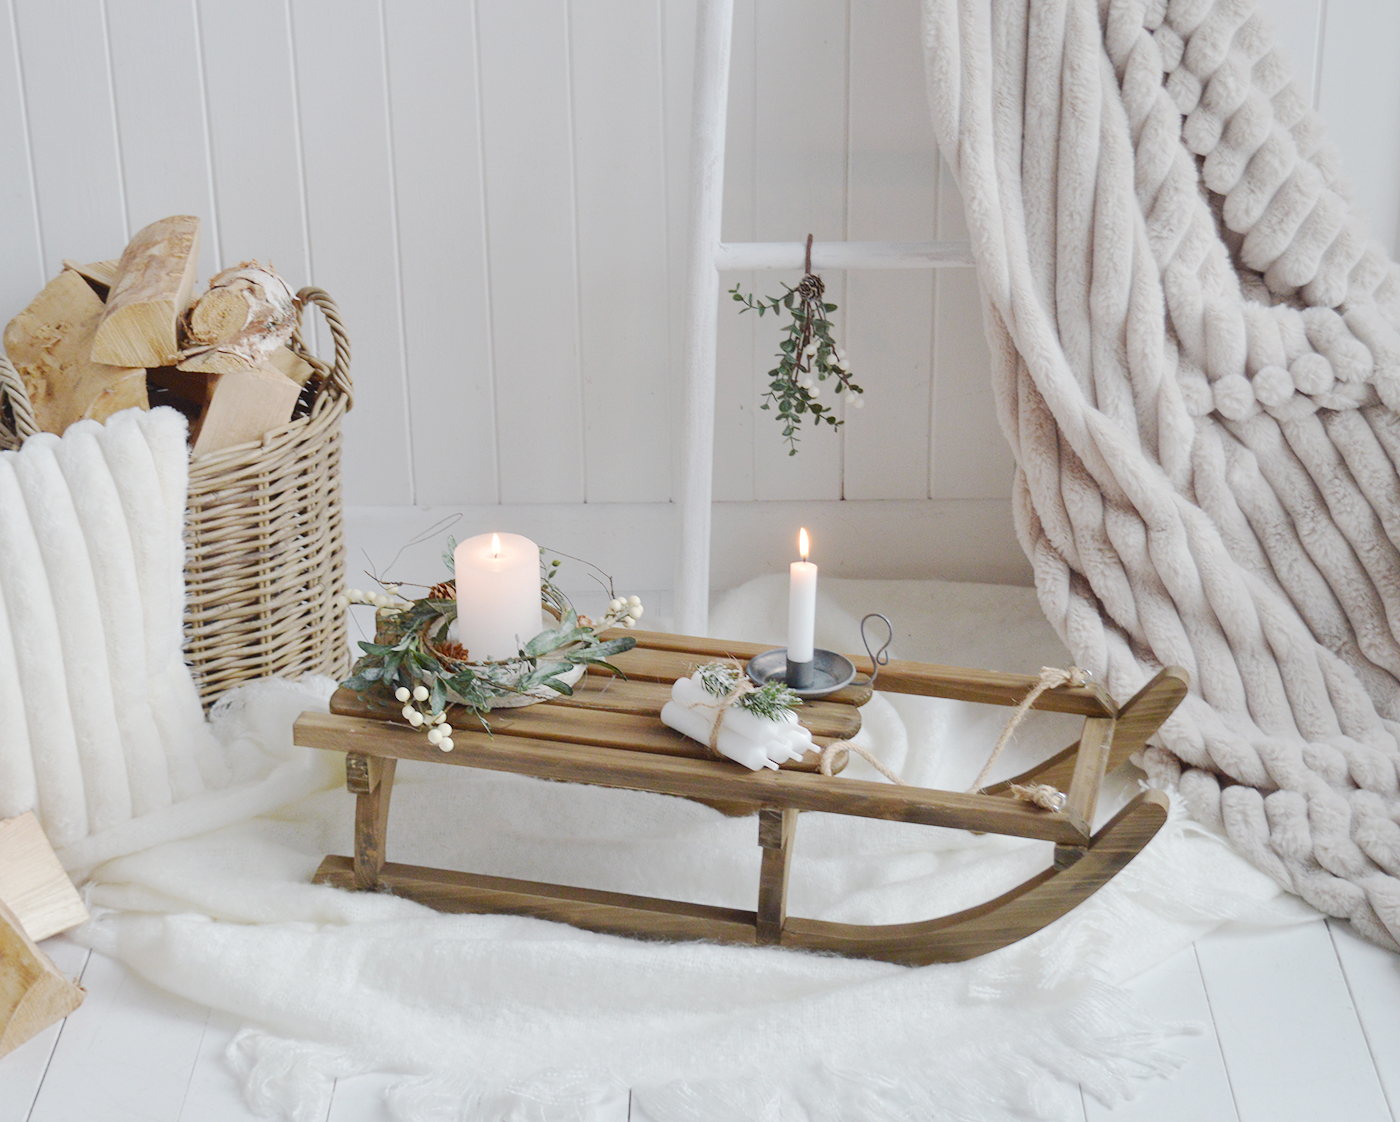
x,y
339,376
12,390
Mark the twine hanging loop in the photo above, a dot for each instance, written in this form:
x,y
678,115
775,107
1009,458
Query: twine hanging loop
x,y
1051,677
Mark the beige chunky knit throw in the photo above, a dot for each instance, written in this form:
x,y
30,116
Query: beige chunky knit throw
x,y
1197,365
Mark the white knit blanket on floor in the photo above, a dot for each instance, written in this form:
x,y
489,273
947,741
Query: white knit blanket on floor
x,y
489,1017
1197,363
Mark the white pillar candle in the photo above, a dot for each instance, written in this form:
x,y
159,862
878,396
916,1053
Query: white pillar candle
x,y
802,605
498,595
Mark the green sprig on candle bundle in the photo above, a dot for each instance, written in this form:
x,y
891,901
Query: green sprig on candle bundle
x,y
770,700
415,660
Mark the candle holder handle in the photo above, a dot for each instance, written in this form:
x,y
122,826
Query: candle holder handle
x,y
882,656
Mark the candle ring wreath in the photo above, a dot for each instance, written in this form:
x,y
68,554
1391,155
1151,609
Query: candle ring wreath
x,y
414,658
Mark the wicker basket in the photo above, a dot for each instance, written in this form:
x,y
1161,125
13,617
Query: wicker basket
x,y
264,533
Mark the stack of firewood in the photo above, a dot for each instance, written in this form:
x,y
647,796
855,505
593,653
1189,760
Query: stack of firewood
x,y
116,334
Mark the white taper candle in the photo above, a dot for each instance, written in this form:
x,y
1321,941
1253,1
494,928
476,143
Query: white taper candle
x,y
802,605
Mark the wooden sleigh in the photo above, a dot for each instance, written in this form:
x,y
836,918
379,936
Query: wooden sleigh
x,y
609,734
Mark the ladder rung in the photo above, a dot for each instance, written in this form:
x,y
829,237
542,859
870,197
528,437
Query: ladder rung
x,y
844,255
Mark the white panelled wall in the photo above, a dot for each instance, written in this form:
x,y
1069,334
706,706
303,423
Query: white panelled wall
x,y
496,193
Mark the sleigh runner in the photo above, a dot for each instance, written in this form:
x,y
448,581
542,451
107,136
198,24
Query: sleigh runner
x,y
609,734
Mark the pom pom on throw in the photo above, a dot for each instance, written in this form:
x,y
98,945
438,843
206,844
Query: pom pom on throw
x,y
1234,397
1273,386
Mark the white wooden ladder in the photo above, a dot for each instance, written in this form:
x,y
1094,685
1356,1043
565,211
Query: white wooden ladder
x,y
708,256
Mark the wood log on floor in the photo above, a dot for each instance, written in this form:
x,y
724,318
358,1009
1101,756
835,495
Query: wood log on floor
x,y
36,900
243,405
33,991
33,884
50,344
150,292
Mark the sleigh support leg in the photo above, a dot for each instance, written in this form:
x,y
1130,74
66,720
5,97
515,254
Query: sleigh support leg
x,y
776,829
371,778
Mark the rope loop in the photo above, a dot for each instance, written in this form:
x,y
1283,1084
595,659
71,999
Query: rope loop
x,y
1051,677
828,758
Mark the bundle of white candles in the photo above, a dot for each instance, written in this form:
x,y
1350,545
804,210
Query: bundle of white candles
x,y
752,739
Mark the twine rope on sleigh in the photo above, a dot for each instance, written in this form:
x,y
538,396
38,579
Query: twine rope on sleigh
x,y
1196,361
1040,794
1043,795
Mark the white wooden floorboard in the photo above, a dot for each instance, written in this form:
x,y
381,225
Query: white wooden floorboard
x,y
1373,979
1174,991
1306,1026
125,1055
214,1093
361,1099
24,1068
1288,1030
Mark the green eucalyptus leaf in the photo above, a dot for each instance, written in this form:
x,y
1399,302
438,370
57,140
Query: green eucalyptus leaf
x,y
616,646
543,643
612,669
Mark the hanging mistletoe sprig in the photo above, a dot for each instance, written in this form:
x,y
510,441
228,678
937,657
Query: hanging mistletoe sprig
x,y
807,355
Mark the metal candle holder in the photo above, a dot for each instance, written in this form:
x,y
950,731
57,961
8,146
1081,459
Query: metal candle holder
x,y
827,671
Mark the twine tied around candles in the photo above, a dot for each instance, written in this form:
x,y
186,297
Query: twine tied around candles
x,y
722,705
826,762
1041,794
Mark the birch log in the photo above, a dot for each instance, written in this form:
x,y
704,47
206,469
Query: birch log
x,y
248,313
50,344
150,292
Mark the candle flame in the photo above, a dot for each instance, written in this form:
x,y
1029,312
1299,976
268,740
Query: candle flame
x,y
495,545
803,545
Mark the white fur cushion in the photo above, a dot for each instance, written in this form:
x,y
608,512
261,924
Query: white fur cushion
x,y
100,724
